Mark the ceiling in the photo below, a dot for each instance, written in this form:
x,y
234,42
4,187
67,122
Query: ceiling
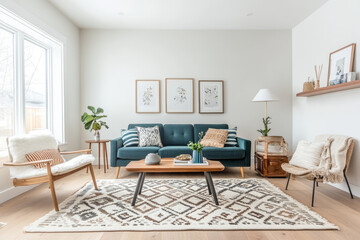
x,y
187,14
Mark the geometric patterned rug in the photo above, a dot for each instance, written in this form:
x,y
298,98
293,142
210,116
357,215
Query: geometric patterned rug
x,y
180,204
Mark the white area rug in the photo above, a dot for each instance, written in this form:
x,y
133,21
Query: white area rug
x,y
180,204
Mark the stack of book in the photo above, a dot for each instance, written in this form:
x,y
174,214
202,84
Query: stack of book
x,y
184,161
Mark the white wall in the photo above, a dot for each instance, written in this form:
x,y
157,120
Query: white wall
x,y
334,25
46,17
112,60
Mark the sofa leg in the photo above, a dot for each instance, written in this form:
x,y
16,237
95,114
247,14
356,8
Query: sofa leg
x,y
242,172
117,172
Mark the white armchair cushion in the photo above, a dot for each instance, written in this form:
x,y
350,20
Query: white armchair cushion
x,y
307,154
30,171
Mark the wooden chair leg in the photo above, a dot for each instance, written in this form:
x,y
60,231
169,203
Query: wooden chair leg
x,y
52,188
242,172
117,172
93,176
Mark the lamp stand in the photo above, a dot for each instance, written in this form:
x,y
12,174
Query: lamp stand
x,y
265,110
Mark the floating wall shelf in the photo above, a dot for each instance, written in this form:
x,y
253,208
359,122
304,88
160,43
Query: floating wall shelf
x,y
329,89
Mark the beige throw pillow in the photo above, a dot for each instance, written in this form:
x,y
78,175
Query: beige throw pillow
x,y
307,154
215,138
44,155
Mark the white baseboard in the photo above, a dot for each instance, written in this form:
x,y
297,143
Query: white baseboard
x,y
342,186
12,192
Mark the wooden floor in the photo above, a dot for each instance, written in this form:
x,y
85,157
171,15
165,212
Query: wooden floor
x,y
333,204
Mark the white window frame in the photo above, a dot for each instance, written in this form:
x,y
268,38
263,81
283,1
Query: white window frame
x,y
24,30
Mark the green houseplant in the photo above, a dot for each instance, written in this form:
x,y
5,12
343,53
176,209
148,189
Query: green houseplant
x,y
197,148
92,121
266,130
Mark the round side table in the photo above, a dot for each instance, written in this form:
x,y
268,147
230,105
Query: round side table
x,y
104,149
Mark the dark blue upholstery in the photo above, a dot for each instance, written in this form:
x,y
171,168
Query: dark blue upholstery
x,y
136,153
223,153
175,137
173,151
178,134
204,127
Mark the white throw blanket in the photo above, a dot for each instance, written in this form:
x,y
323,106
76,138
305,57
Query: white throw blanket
x,y
333,157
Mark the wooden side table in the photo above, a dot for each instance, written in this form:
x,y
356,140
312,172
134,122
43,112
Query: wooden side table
x,y
269,165
104,149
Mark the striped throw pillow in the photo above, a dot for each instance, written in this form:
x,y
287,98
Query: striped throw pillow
x,y
130,138
231,140
44,155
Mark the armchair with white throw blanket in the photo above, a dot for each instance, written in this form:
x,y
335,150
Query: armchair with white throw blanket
x,y
35,158
325,160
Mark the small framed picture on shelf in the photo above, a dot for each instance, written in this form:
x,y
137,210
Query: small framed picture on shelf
x,y
211,96
340,64
147,96
179,95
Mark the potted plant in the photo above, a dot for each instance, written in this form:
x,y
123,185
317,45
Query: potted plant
x,y
266,130
197,156
92,121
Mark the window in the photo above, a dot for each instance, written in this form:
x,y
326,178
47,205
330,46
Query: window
x,y
31,80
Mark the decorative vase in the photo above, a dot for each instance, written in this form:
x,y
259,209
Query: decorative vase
x,y
197,157
97,135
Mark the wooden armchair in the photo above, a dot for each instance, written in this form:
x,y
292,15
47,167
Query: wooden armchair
x,y
24,173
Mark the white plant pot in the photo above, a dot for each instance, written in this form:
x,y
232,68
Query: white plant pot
x,y
97,136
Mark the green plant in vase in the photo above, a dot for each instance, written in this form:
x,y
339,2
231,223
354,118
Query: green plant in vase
x,y
197,148
266,130
92,121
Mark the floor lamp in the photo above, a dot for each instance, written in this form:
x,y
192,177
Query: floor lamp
x,y
265,95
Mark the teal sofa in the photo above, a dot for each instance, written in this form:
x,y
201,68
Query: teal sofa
x,y
175,138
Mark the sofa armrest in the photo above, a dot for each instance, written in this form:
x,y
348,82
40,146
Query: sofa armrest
x,y
245,145
115,144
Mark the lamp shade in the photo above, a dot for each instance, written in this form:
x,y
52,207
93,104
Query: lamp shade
x,y
265,95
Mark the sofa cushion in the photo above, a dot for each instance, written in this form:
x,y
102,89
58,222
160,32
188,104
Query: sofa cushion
x,y
178,134
223,153
161,127
136,153
173,151
204,127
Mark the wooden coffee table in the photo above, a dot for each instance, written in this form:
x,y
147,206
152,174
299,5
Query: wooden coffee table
x,y
167,166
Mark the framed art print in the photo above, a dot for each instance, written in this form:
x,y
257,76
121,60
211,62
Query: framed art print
x,y
340,64
179,95
147,96
211,96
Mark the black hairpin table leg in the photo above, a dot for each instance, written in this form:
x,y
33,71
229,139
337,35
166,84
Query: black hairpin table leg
x,y
212,188
138,187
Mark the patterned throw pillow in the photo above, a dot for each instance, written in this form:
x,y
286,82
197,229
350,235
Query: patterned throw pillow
x,y
44,155
231,139
149,136
130,138
215,138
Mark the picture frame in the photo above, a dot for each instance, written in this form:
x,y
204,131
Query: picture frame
x,y
147,96
179,95
211,96
341,62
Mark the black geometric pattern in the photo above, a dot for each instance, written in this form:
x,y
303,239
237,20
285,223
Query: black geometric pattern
x,y
180,204
149,136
